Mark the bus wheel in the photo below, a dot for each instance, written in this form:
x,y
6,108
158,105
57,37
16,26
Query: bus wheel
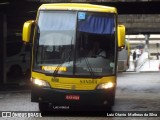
x,y
43,107
109,108
112,98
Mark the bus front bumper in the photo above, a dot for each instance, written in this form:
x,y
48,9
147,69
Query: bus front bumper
x,y
75,98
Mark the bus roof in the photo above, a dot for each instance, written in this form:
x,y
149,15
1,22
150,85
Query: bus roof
x,y
78,6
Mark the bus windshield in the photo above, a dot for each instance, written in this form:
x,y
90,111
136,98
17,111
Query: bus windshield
x,y
75,43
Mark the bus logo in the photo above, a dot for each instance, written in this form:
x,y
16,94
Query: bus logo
x,y
88,81
81,15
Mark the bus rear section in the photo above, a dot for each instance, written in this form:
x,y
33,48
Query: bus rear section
x,y
123,58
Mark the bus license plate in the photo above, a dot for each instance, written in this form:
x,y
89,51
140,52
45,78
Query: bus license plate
x,y
72,97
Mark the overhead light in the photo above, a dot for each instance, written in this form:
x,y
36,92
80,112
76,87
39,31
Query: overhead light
x,y
18,34
4,3
33,11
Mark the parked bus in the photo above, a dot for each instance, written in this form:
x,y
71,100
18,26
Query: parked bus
x,y
123,57
18,59
74,58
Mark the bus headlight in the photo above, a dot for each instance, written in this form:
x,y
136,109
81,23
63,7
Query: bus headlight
x,y
106,85
40,82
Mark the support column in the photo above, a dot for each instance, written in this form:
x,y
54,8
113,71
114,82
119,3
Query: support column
x,y
1,48
146,43
147,47
3,39
4,46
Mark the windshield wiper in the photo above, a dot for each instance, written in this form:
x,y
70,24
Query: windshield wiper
x,y
57,69
89,67
60,64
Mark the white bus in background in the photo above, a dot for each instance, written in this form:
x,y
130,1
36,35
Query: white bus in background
x,y
18,59
123,57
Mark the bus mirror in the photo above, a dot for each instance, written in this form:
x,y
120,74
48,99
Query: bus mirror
x,y
121,36
27,33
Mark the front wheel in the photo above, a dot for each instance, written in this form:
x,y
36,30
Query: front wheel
x,y
43,107
112,97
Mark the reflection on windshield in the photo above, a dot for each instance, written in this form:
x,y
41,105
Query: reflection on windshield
x,y
97,52
90,52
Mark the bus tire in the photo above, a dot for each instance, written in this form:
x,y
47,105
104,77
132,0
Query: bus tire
x,y
43,107
109,108
112,98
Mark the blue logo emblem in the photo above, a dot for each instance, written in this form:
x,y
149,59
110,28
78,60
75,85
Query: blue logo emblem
x,y
81,15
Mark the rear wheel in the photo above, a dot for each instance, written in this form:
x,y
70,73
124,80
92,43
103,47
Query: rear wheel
x,y
112,98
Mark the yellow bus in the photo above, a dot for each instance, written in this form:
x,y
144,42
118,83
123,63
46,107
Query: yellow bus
x,y
123,57
74,56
